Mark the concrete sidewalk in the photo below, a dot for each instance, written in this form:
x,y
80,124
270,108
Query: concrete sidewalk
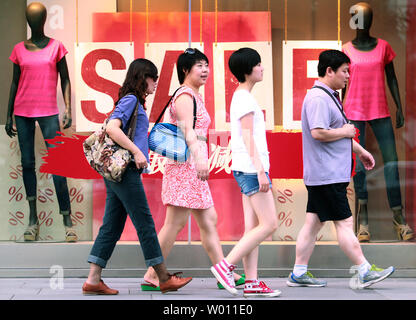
x,y
201,289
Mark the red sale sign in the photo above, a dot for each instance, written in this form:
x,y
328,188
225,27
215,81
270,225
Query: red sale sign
x,y
300,62
101,67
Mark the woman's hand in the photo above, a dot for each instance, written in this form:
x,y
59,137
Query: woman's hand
x,y
140,160
263,181
202,170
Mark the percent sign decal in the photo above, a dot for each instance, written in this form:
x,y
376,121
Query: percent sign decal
x,y
16,172
286,238
15,148
45,175
15,238
285,196
16,218
15,193
45,195
77,218
45,218
284,218
76,195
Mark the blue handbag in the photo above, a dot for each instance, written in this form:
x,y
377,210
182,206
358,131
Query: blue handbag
x,y
167,139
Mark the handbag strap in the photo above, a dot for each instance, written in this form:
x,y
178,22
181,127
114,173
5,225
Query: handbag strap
x,y
343,114
131,130
133,121
164,109
335,101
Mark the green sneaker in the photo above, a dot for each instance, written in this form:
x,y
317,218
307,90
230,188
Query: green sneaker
x,y
374,275
305,280
239,282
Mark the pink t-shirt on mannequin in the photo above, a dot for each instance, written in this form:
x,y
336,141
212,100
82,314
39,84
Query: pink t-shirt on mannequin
x,y
366,96
36,93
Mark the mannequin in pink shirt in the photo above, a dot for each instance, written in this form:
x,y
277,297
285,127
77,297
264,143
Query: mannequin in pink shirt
x,y
366,102
37,62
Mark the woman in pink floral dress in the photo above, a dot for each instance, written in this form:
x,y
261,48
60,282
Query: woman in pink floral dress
x,y
185,187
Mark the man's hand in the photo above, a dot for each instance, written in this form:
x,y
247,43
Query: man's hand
x,y
367,159
349,130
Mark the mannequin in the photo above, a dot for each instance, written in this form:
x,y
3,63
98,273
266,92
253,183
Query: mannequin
x,y
35,100
366,102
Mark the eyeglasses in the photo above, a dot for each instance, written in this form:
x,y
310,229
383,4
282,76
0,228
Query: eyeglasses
x,y
190,51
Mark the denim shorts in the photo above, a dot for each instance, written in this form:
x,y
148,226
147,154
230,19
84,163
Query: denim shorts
x,y
248,182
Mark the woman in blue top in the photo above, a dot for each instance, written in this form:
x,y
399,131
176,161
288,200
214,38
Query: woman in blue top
x,y
128,196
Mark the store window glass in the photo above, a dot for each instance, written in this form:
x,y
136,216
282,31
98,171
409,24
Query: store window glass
x,y
289,35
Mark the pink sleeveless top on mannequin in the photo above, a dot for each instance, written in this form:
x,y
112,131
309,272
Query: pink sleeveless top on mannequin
x,y
366,96
36,93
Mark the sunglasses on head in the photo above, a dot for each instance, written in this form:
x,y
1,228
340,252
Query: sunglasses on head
x,y
189,51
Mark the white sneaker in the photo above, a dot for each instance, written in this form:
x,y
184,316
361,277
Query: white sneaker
x,y
256,288
224,274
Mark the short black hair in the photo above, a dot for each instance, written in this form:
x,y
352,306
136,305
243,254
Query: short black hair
x,y
333,59
242,61
187,60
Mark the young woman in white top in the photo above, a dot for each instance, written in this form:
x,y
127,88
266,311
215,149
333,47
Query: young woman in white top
x,y
250,165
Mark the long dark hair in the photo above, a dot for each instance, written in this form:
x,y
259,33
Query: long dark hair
x,y
135,81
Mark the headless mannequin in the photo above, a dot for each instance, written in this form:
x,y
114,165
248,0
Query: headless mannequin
x,y
36,18
364,42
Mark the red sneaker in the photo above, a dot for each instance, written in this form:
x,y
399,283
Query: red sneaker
x,y
256,288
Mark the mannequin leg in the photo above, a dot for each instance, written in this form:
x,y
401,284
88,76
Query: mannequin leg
x,y
50,128
360,186
383,130
26,137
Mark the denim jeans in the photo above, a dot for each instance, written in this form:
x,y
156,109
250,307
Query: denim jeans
x,y
126,197
383,131
26,135
248,182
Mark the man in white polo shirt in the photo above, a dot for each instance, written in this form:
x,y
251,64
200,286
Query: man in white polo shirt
x,y
328,144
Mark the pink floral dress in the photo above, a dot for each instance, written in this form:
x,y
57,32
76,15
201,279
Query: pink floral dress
x,y
181,186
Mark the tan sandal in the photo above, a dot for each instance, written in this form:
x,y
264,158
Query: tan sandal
x,y
404,232
363,234
70,235
32,232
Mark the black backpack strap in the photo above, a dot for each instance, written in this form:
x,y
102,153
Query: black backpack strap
x,y
343,114
335,101
167,105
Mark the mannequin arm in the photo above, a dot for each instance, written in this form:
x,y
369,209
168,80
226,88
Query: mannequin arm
x,y
11,132
66,91
394,89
